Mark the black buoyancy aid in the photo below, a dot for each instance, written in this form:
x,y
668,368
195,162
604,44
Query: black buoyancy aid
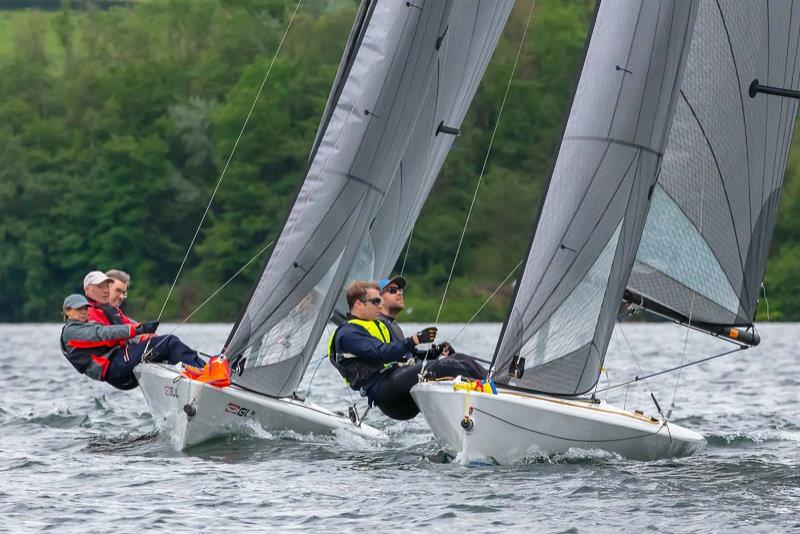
x,y
90,358
357,372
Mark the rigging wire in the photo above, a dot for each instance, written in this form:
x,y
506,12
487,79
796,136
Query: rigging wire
x,y
635,359
485,160
408,247
691,312
487,301
230,157
214,294
221,176
677,368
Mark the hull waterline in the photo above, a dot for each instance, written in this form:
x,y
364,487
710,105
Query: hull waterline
x,y
510,426
191,412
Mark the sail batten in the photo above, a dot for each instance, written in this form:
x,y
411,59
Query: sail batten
x,y
596,201
706,241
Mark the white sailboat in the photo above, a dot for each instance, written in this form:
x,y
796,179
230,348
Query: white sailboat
x,y
407,77
711,187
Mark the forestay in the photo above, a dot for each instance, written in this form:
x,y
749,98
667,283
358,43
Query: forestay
x,y
707,236
471,35
593,213
390,60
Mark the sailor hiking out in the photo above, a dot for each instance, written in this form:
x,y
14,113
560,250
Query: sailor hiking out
x,y
382,369
107,352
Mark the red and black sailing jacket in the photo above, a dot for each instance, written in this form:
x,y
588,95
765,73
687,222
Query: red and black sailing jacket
x,y
106,314
90,347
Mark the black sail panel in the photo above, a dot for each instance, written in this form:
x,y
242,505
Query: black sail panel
x,y
707,236
593,213
370,118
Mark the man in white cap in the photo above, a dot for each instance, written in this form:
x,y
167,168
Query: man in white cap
x,y
97,287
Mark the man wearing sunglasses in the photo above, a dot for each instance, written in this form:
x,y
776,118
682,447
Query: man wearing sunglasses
x,y
381,368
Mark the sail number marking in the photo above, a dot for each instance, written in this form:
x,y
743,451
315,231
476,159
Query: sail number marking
x,y
239,411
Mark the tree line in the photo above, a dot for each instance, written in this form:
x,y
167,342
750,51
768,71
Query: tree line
x,y
115,125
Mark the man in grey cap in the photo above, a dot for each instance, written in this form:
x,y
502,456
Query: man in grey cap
x,y
107,352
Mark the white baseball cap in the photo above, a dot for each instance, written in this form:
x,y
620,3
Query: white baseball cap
x,y
94,278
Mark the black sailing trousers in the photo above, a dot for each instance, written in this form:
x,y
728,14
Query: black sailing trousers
x,y
394,397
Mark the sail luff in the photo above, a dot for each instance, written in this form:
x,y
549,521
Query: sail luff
x,y
594,208
356,34
366,134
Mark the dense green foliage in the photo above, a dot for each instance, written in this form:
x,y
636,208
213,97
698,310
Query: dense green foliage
x,y
116,125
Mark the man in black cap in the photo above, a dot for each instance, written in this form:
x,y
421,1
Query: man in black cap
x,y
392,292
392,303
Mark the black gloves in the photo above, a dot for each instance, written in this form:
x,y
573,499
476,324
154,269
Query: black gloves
x,y
446,348
147,328
443,348
427,335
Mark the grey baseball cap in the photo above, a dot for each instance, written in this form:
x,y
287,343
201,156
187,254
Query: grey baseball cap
x,y
75,301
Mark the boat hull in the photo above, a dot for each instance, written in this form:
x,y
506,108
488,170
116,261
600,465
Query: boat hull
x,y
214,412
511,426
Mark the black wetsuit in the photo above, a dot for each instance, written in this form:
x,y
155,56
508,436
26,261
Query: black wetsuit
x,y
393,393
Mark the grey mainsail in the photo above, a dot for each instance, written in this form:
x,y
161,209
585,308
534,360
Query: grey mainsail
x,y
707,236
593,212
373,108
473,30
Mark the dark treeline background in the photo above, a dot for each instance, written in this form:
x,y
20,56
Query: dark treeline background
x,y
115,125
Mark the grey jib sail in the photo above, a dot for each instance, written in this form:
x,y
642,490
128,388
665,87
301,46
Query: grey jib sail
x,y
593,213
389,62
472,31
707,236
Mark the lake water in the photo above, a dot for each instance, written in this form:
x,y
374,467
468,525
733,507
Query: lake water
x,y
79,456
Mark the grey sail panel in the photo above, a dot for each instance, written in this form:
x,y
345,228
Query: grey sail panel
x,y
390,60
593,212
473,30
706,240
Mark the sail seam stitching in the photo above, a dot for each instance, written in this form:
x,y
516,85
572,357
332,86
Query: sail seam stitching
x,y
613,141
744,120
719,171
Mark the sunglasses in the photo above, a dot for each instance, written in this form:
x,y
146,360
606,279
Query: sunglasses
x,y
393,290
376,300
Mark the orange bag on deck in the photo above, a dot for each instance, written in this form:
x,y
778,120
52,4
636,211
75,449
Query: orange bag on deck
x,y
217,372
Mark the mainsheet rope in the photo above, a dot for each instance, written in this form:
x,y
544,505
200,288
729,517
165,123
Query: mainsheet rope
x,y
485,161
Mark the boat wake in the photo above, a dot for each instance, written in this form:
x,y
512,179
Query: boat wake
x,y
755,437
573,456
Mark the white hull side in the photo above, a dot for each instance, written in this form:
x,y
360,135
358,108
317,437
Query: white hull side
x,y
511,426
222,411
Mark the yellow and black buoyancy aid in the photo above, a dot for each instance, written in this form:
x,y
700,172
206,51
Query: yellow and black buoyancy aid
x,y
358,372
